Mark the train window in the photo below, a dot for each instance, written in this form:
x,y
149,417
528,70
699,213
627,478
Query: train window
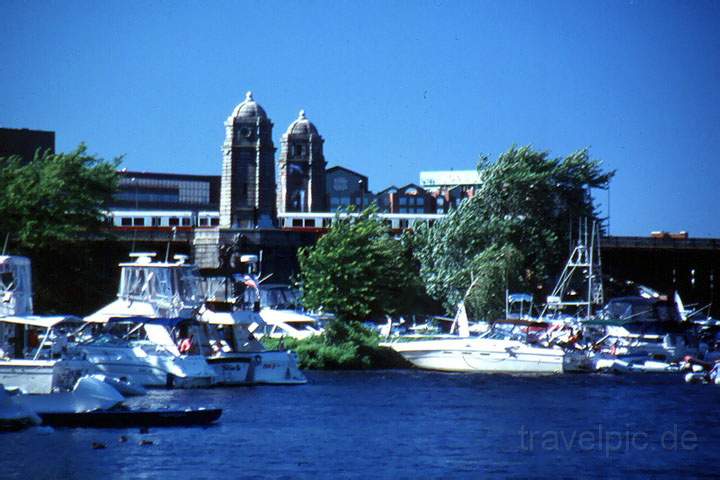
x,y
310,222
186,222
203,222
327,222
125,221
174,221
403,223
156,221
214,222
139,222
297,222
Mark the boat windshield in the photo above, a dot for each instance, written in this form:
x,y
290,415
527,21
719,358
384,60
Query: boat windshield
x,y
161,283
105,339
190,285
279,297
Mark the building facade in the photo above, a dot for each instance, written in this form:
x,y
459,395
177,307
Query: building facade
x,y
345,187
24,142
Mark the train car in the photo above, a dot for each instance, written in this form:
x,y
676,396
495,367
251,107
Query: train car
x,y
207,219
319,222
151,219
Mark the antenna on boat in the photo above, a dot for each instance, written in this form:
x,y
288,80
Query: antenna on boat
x,y
167,250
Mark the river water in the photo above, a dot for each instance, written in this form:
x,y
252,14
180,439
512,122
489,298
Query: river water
x,y
404,424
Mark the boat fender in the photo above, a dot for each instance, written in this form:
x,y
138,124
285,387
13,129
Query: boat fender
x,y
258,359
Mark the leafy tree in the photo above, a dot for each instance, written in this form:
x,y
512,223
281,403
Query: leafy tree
x,y
54,197
358,271
513,232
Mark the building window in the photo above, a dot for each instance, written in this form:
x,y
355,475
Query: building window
x,y
403,200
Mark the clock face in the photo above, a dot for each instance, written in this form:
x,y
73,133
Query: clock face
x,y
246,132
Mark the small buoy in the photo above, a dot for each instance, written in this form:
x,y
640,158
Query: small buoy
x,y
146,442
123,439
98,445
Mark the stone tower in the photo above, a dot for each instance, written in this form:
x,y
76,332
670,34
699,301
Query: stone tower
x,y
247,193
302,168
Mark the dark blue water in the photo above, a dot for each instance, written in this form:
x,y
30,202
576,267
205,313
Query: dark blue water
x,y
405,424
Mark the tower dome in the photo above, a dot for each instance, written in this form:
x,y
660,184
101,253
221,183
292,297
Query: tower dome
x,y
249,108
301,126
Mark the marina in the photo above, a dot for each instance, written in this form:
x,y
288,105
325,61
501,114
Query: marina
x,y
359,240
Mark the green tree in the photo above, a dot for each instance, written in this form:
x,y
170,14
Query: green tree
x,y
54,197
513,232
358,271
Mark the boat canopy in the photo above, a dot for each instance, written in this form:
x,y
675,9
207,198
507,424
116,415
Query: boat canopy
x,y
520,297
15,286
42,322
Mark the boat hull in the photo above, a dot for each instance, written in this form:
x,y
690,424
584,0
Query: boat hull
x,y
153,371
257,368
481,356
132,419
42,376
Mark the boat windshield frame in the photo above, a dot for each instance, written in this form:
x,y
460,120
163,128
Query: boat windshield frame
x,y
160,282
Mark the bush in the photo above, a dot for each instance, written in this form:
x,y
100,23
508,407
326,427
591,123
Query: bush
x,y
343,346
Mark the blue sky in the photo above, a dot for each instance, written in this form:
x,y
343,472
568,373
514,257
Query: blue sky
x,y
394,87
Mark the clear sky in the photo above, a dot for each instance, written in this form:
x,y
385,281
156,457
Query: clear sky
x,y
394,87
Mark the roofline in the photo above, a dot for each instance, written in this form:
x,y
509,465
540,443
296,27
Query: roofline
x,y
340,167
167,176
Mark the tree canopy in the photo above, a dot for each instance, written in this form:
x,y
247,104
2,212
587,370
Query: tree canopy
x,y
54,197
515,230
357,270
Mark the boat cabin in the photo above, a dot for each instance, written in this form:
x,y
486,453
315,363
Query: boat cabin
x,y
15,286
163,282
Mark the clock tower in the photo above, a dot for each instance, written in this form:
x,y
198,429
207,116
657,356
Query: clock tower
x,y
247,198
302,168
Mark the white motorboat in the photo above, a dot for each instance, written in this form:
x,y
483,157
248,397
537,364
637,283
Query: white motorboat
x,y
504,348
239,358
232,323
22,364
153,299
493,352
281,312
146,355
